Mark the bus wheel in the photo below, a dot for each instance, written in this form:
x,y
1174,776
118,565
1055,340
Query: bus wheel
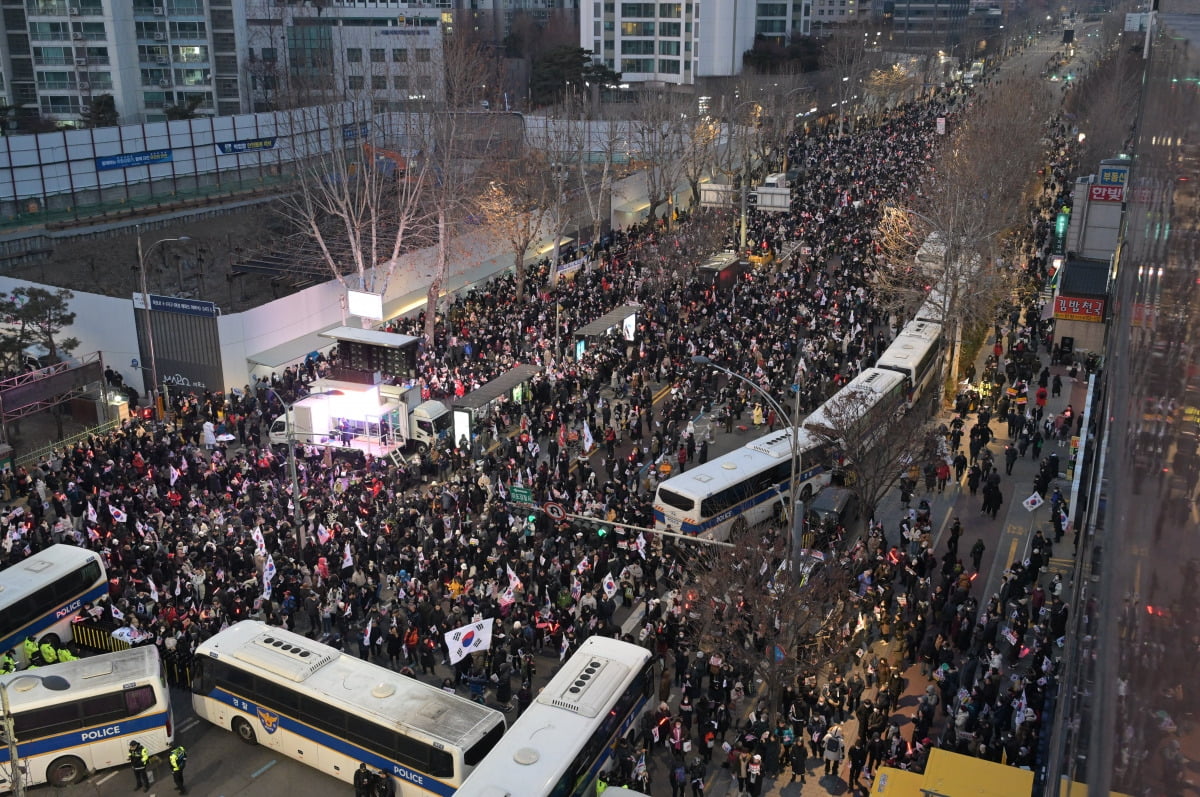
x,y
244,731
737,529
806,493
65,771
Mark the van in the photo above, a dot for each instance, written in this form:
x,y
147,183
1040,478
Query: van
x,y
833,512
776,180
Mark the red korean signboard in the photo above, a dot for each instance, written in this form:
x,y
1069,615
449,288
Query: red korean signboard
x,y
1070,308
1106,193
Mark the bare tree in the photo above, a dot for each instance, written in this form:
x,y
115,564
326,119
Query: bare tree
x,y
659,133
1104,103
772,616
517,203
846,59
356,201
975,191
457,139
876,439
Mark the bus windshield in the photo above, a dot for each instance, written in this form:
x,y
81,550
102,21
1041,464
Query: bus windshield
x,y
674,499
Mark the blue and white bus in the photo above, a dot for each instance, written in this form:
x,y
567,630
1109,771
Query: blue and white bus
x,y
41,595
333,711
727,495
79,716
566,738
917,353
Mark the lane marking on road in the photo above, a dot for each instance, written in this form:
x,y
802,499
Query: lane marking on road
x,y
263,768
1012,552
188,724
106,778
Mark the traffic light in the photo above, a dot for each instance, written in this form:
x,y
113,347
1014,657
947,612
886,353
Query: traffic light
x,y
601,532
532,518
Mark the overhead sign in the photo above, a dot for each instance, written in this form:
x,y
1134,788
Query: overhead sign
x,y
246,145
127,159
1106,193
1070,308
713,195
772,199
1136,22
521,495
172,304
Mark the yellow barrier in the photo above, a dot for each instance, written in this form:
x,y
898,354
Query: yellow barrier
x,y
96,637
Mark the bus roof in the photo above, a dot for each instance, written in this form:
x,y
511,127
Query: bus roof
x,y
874,382
387,697
106,670
541,743
25,576
715,475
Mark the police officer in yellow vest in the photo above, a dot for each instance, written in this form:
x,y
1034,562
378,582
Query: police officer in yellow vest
x,y
65,654
9,662
139,759
49,654
32,655
178,759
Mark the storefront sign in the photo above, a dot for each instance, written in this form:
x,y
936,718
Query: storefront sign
x,y
1070,308
1106,193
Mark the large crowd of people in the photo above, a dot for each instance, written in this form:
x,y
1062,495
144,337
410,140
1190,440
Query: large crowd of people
x,y
395,553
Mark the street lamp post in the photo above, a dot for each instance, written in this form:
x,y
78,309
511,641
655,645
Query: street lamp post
x,y
796,506
141,255
297,514
55,683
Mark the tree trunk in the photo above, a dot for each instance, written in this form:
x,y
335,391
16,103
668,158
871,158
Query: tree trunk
x,y
440,274
519,275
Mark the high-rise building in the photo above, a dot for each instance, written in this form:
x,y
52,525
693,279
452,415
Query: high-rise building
x,y
147,54
678,42
214,56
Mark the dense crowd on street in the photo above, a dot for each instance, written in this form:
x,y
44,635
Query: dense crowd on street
x,y
395,554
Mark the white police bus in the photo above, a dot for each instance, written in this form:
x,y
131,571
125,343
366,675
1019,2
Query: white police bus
x,y
333,711
727,495
79,716
562,743
41,595
917,353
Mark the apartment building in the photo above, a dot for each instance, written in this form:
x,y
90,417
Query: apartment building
x,y
219,57
148,54
674,43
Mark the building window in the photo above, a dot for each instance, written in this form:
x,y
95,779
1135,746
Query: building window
x,y
637,10
772,9
377,55
188,30
399,56
269,54
668,48
400,82
354,82
354,55
670,10
424,55
637,28
379,82
637,47
668,29
637,64
668,66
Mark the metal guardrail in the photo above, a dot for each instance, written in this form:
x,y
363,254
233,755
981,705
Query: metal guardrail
x,y
35,456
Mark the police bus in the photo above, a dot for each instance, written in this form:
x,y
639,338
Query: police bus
x,y
79,716
561,744
749,485
41,595
333,711
916,353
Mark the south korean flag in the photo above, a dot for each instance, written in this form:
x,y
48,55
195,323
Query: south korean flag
x,y
461,642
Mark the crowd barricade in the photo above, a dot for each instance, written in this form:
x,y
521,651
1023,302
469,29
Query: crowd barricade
x,y
97,636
